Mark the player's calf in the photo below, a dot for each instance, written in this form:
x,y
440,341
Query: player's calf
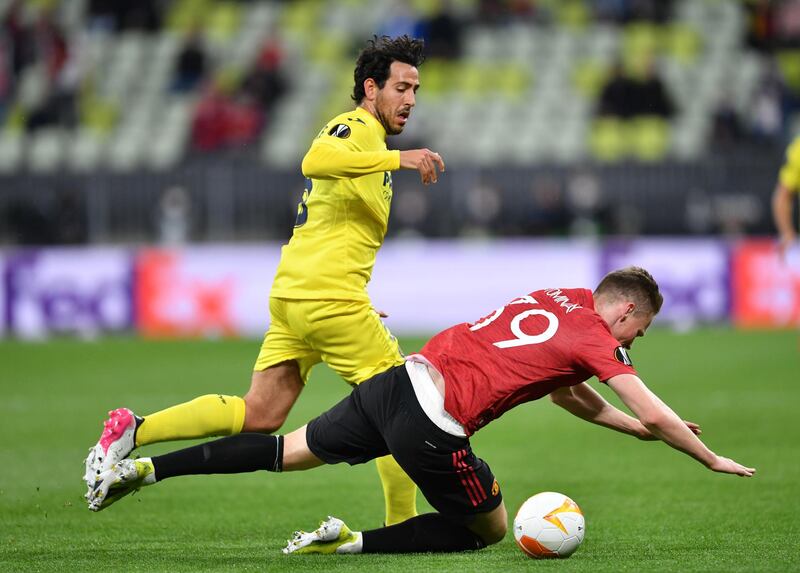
x,y
491,527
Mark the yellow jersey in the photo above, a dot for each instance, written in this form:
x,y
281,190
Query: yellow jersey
x,y
789,175
343,216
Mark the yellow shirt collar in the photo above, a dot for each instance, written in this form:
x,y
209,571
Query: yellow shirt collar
x,y
369,118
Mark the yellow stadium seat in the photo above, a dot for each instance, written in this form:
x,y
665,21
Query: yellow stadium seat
x,y
187,15
302,16
607,140
589,77
223,20
328,49
647,138
16,119
436,77
97,115
510,81
471,79
681,42
572,13
639,45
789,64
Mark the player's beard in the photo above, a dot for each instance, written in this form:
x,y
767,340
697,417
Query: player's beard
x,y
390,127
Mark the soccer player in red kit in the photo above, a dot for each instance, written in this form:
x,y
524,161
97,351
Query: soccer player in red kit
x,y
548,342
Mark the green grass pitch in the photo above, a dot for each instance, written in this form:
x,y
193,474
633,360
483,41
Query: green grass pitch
x,y
647,507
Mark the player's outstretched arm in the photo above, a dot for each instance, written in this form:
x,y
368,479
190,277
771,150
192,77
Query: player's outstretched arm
x,y
585,402
423,160
328,160
663,423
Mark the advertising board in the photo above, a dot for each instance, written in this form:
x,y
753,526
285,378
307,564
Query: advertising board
x,y
692,274
766,288
71,291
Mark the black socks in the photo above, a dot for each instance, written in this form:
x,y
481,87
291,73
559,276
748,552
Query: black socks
x,y
231,455
424,533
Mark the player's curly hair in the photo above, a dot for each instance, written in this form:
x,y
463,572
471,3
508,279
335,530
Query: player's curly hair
x,y
375,60
635,283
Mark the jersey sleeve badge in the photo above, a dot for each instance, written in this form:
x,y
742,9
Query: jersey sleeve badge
x,y
621,355
340,130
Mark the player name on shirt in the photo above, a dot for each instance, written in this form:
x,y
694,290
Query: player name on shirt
x,y
562,300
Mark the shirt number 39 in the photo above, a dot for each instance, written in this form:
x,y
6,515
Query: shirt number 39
x,y
521,338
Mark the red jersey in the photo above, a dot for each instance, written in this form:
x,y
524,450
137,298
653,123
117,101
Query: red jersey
x,y
521,352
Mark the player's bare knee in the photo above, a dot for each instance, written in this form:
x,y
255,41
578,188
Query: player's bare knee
x,y
494,533
272,393
262,417
491,527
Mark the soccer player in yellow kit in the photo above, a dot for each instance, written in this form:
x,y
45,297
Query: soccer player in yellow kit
x,y
319,307
782,198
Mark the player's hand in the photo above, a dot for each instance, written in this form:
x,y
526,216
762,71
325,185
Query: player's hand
x,y
380,313
695,428
728,466
423,160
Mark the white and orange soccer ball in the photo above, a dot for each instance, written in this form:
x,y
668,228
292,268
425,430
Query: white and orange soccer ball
x,y
549,525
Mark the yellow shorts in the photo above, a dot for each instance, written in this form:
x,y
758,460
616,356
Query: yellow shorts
x,y
348,336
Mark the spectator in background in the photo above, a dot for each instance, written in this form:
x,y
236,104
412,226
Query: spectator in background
x,y
57,105
442,33
589,215
244,119
116,15
624,11
651,94
546,212
482,206
28,224
173,217
70,218
225,118
787,23
767,108
618,94
18,39
208,123
266,83
499,12
624,96
760,24
190,68
726,127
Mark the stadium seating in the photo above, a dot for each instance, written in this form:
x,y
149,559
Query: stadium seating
x,y
537,81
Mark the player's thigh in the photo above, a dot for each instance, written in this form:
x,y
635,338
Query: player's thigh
x,y
455,482
285,341
353,340
452,478
346,432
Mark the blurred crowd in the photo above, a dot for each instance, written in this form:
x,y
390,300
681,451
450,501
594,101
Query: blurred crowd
x,y
47,78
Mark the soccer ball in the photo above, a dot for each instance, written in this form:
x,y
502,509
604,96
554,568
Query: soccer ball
x,y
549,525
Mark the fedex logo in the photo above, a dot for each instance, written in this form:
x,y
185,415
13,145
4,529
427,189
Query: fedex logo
x,y
67,291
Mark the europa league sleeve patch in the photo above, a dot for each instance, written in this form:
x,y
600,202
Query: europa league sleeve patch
x,y
622,356
340,130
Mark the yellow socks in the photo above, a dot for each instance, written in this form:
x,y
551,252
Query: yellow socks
x,y
399,491
209,415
